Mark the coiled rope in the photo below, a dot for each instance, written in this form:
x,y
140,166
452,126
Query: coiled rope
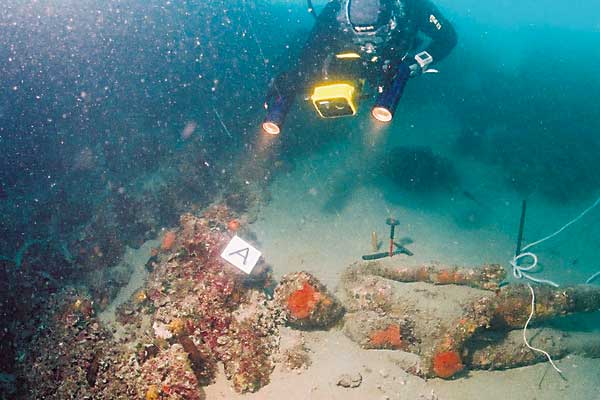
x,y
521,272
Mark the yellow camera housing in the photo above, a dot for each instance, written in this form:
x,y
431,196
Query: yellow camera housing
x,y
335,100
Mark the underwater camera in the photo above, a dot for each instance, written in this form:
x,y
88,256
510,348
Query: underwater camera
x,y
335,94
344,77
339,88
338,92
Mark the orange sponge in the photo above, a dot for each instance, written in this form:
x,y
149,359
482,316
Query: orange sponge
x,y
303,301
168,241
389,338
446,364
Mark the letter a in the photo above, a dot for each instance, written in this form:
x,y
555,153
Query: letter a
x,y
239,252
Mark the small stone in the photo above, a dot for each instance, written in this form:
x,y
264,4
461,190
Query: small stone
x,y
222,340
350,381
384,373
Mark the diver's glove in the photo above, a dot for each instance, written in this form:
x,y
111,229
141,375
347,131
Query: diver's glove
x,y
415,70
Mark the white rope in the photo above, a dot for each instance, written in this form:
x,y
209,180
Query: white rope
x,y
525,332
521,272
591,278
565,226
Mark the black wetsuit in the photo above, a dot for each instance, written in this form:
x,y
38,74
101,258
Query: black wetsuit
x,y
331,35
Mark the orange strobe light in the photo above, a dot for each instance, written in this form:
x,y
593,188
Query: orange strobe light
x,y
271,128
381,114
387,100
277,106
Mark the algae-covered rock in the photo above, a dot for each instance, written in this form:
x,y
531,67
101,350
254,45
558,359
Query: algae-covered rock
x,y
169,375
306,302
210,308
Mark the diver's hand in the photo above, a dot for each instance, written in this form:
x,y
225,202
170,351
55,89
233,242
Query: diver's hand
x,y
415,70
420,64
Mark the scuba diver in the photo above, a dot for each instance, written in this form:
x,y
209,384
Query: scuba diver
x,y
381,43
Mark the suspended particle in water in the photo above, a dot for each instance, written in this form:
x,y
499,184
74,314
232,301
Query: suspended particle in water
x,y
189,130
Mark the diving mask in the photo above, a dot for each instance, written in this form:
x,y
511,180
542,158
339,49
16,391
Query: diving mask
x,y
368,17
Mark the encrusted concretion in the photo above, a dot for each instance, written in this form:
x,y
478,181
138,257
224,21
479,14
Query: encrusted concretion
x,y
381,315
306,302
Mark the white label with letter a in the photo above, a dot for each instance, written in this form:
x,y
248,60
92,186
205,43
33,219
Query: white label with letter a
x,y
241,254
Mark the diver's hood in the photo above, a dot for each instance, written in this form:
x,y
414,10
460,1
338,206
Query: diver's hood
x,y
371,22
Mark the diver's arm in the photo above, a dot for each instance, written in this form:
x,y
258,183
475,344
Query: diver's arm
x,y
322,37
433,24
288,84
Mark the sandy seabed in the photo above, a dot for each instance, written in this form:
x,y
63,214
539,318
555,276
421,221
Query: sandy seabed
x,y
321,218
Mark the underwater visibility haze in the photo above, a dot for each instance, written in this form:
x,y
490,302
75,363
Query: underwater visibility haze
x,y
347,199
